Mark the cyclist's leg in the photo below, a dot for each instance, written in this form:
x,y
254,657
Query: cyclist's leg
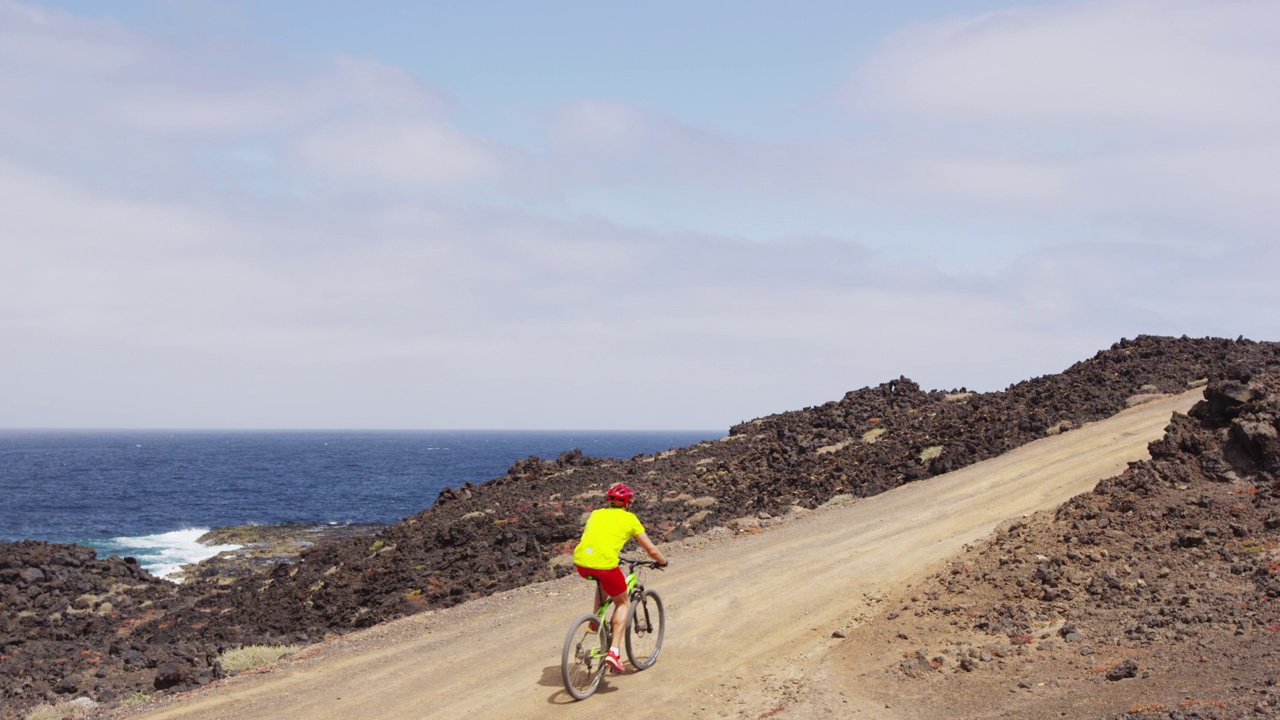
x,y
600,596
611,584
621,612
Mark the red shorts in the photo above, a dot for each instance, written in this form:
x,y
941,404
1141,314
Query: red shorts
x,y
613,581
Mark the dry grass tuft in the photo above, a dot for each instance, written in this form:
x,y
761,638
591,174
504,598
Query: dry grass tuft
x,y
930,453
74,709
253,657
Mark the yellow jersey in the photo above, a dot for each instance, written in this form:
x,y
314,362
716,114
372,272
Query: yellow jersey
x,y
607,530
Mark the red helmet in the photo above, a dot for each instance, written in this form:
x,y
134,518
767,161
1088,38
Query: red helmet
x,y
620,494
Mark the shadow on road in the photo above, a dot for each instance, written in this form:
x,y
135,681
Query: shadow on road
x,y
551,678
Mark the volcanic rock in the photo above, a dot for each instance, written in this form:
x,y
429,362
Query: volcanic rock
x,y
1172,562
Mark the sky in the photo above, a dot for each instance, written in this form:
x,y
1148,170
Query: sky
x,y
585,215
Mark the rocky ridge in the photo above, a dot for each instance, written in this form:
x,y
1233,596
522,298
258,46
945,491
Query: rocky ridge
x,y
516,529
1157,595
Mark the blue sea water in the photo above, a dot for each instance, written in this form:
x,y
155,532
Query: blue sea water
x,y
150,494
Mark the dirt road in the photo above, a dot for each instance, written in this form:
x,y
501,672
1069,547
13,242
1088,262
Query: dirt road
x,y
750,618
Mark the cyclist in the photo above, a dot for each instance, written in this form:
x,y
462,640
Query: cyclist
x,y
596,556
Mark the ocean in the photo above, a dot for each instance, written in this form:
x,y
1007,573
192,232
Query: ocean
x,y
150,494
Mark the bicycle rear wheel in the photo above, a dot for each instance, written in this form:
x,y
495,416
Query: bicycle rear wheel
x,y
582,660
645,630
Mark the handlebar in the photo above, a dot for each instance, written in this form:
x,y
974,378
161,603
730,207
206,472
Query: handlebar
x,y
634,563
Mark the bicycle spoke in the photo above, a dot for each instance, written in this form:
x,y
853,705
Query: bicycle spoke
x,y
581,666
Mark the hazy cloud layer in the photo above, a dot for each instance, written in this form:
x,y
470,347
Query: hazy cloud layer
x,y
217,236
1153,111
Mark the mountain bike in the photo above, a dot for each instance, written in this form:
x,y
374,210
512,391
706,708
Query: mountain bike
x,y
582,660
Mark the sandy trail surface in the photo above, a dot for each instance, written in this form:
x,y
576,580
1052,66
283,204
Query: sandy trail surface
x,y
751,619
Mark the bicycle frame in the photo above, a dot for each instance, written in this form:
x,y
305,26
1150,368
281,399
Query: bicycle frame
x,y
582,661
633,584
606,608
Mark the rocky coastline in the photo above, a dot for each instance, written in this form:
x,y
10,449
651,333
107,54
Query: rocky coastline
x,y
73,625
260,547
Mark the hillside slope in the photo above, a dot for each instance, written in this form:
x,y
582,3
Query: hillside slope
x,y
1157,595
752,617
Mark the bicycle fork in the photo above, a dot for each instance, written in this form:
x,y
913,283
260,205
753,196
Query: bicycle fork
x,y
640,615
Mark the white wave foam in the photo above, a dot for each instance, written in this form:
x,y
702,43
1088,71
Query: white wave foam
x,y
164,554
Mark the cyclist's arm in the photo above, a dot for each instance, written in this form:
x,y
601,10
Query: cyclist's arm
x,y
649,547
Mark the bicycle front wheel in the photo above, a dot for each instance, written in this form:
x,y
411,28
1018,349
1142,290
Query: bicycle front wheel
x,y
582,661
645,631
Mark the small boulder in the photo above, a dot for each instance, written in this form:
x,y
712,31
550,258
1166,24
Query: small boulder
x,y
32,575
1190,539
1126,669
172,673
1070,632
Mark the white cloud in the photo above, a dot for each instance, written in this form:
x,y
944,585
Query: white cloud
x,y
91,94
611,125
204,101
32,37
1137,111
403,154
1117,67
180,109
